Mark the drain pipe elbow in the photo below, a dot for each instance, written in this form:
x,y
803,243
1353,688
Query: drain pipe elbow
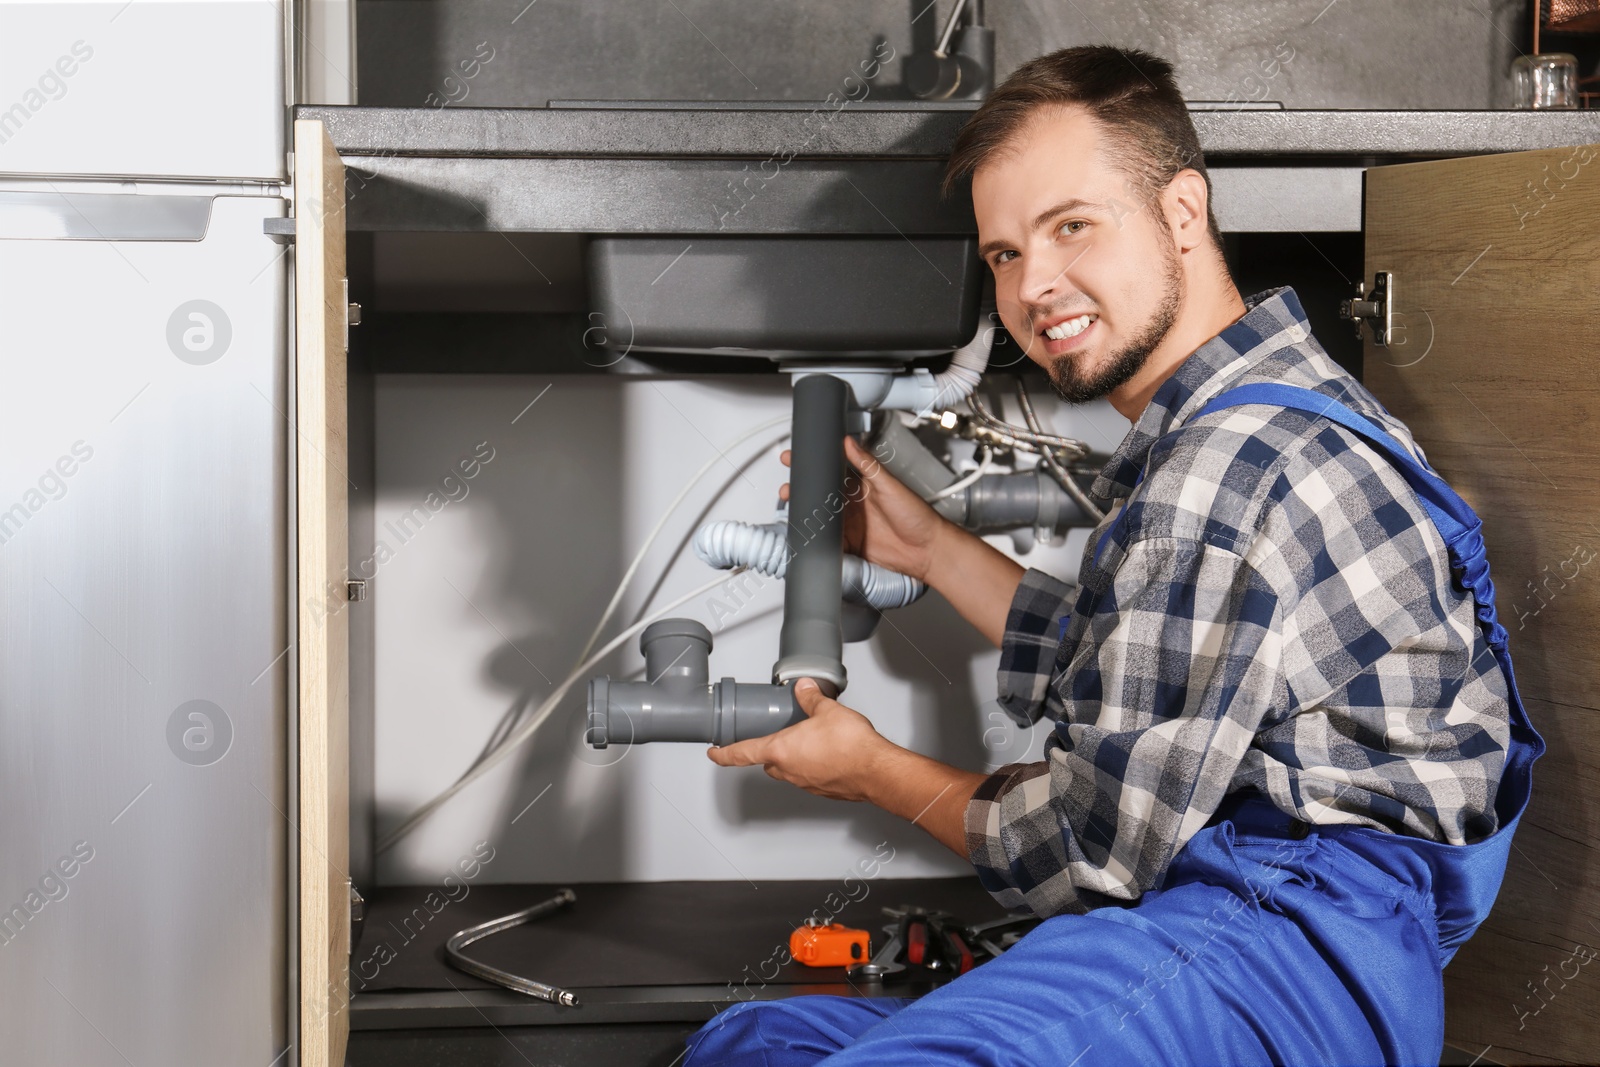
x,y
676,702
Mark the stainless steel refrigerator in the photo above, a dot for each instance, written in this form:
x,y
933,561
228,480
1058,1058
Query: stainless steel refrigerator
x,y
145,810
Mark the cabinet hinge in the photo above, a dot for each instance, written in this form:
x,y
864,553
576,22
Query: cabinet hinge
x,y
1376,308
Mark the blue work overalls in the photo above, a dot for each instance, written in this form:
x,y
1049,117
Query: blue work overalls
x,y
1265,943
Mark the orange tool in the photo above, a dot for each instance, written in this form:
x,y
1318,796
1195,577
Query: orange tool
x,y
829,945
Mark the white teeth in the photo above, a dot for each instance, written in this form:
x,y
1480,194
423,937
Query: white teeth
x,y
1070,328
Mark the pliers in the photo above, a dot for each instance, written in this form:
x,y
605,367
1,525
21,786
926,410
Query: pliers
x,y
930,939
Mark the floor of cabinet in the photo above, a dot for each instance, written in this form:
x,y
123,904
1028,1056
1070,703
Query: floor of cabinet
x,y
649,961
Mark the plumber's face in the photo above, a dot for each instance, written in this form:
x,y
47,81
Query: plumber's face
x,y
1087,274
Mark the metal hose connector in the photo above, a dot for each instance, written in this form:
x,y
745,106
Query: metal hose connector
x,y
1051,463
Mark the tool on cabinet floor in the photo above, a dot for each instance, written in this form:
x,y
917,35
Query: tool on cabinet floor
x,y
939,942
828,944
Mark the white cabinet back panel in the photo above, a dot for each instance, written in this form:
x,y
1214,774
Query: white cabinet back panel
x,y
485,595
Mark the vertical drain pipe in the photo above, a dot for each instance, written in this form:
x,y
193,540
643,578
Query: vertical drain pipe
x,y
811,644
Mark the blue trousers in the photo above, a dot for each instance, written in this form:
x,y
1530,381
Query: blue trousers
x,y
1258,949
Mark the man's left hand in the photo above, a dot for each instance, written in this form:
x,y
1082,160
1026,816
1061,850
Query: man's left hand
x,y
835,752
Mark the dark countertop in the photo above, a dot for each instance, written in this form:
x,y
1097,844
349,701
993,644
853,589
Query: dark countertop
x,y
901,131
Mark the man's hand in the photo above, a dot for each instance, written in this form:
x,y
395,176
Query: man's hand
x,y
837,753
833,753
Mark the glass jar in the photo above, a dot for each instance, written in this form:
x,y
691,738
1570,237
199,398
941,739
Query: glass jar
x,y
1545,81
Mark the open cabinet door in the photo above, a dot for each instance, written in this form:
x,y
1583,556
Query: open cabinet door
x,y
1495,263
321,503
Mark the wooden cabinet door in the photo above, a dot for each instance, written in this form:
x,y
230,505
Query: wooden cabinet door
x,y
321,508
1496,267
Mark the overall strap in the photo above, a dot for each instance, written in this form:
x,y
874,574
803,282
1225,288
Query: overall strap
x,y
1465,879
1458,525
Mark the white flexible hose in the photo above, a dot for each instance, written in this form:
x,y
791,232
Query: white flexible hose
x,y
927,394
726,543
627,577
526,730
879,587
763,549
957,381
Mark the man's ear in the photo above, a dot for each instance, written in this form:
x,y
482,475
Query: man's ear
x,y
1186,204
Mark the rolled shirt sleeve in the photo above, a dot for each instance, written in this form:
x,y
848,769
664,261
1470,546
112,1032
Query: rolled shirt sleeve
x,y
1166,683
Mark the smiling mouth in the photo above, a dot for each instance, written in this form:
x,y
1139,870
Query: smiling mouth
x,y
1071,327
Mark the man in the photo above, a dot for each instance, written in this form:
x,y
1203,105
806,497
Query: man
x,y
1286,734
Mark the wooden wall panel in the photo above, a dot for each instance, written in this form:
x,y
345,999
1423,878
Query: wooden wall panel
x,y
1497,275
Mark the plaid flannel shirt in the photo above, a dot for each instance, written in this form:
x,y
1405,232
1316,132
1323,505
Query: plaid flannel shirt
x,y
1278,614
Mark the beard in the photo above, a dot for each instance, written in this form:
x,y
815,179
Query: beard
x,y
1079,384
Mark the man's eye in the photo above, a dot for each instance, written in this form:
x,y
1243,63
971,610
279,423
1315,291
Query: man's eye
x,y
1003,257
1073,226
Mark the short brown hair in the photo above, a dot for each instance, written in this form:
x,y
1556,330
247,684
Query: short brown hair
x,y
1133,95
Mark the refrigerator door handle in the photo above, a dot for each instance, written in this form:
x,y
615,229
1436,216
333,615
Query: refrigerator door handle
x,y
57,216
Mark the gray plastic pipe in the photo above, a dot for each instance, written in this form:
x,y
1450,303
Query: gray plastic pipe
x,y
811,643
677,701
995,502
1010,501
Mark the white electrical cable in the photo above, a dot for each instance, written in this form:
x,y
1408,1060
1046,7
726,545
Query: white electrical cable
x,y
955,487
763,549
585,660
526,730
627,577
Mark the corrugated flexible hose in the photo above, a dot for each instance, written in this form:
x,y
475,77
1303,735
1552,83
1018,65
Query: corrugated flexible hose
x,y
762,548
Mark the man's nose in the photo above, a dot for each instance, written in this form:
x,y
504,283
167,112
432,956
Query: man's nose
x,y
1043,281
